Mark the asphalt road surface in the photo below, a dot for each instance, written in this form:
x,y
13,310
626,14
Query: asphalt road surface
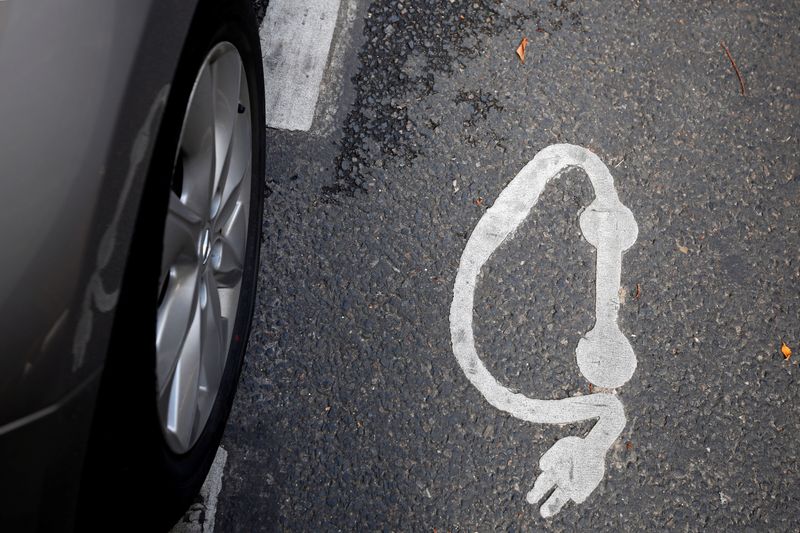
x,y
353,413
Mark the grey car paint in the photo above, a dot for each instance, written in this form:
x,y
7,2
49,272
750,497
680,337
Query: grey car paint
x,y
82,87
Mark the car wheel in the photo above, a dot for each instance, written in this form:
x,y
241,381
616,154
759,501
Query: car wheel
x,y
184,312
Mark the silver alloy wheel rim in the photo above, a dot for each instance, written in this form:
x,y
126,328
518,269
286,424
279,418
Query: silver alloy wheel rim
x,y
204,247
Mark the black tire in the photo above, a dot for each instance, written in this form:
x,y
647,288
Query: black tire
x,y
132,480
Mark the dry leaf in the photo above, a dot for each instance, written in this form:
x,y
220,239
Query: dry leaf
x,y
478,201
786,351
681,249
523,44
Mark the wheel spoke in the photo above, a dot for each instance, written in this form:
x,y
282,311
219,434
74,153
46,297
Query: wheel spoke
x,y
227,257
215,342
226,74
237,164
184,213
174,320
181,231
197,145
182,400
233,196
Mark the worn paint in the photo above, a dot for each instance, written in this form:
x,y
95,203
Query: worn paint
x,y
201,516
296,40
574,466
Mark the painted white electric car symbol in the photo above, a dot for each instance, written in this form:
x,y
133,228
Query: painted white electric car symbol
x,y
574,466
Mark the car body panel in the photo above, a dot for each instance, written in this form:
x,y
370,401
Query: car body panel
x,y
82,88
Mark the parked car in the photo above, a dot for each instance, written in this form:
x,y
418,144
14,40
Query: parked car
x,y
132,152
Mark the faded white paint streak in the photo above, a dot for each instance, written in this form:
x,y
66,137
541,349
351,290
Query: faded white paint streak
x,y
574,466
295,39
201,516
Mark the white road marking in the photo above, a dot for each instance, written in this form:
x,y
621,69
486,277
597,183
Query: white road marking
x,y
201,516
333,83
296,39
573,467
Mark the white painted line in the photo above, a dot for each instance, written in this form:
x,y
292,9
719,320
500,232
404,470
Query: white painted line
x,y
333,82
295,38
201,516
573,467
